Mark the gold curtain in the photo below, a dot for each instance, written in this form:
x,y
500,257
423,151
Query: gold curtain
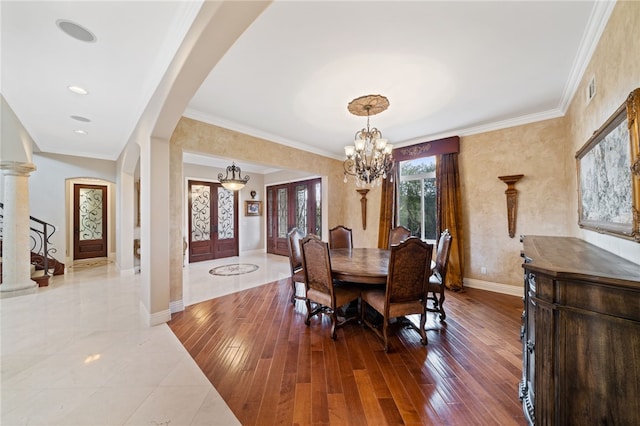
x,y
387,208
449,216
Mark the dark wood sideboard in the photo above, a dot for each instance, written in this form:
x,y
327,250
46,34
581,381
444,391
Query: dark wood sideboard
x,y
580,334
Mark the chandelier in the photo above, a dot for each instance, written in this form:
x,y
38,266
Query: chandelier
x,y
233,183
369,158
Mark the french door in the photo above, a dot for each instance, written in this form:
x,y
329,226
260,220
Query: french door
x,y
89,221
296,204
213,221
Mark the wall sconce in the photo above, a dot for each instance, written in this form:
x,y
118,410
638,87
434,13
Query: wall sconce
x,y
363,206
512,200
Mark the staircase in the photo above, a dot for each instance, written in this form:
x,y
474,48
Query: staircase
x,y
43,264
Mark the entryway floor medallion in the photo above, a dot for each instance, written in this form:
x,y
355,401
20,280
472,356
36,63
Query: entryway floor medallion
x,y
234,269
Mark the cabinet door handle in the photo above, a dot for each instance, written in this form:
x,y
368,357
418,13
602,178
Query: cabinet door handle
x,y
530,346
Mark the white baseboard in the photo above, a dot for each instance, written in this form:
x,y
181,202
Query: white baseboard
x,y
250,252
156,318
512,290
177,306
127,272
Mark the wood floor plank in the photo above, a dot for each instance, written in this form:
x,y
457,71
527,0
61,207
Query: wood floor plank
x,y
338,411
319,405
271,368
302,404
372,410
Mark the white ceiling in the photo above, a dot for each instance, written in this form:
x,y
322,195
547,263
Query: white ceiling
x,y
447,68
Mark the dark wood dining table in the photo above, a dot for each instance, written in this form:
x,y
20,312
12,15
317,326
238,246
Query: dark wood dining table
x,y
360,265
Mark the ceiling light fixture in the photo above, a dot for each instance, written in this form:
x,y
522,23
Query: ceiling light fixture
x,y
233,183
80,132
369,159
79,90
80,118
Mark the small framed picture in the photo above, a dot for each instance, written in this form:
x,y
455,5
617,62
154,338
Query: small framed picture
x,y
253,208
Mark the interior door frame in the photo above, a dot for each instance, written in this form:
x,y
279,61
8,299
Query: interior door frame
x,y
277,245
111,215
187,219
78,243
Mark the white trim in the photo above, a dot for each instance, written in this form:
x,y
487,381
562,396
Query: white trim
x,y
252,252
126,272
154,319
512,290
247,130
177,306
595,27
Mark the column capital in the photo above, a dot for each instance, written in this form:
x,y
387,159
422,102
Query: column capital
x,y
13,168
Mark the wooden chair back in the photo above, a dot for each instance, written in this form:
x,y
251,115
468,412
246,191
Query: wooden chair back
x,y
295,255
437,279
340,237
442,255
316,265
407,288
408,277
398,235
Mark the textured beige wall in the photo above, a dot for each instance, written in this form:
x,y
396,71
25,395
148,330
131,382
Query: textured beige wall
x,y
544,152
195,136
616,67
534,150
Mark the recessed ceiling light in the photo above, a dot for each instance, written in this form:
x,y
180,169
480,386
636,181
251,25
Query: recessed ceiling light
x,y
81,132
76,31
79,90
81,118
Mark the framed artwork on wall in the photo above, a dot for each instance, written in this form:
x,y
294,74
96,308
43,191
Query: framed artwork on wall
x,y
253,208
608,187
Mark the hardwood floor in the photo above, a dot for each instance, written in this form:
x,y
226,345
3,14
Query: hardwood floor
x,y
272,369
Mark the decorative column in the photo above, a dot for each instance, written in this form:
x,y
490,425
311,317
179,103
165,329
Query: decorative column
x,y
512,200
16,248
363,206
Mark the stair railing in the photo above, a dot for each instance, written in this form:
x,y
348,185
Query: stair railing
x,y
40,235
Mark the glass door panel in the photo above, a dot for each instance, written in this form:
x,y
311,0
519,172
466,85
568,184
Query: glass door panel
x,y
296,204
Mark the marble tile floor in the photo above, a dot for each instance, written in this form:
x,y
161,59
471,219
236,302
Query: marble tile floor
x,y
80,353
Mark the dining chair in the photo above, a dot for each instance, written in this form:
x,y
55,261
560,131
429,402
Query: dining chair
x,y
438,275
398,235
319,284
406,289
340,237
295,261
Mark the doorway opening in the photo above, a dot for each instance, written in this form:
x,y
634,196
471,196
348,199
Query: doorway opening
x,y
90,218
289,205
213,221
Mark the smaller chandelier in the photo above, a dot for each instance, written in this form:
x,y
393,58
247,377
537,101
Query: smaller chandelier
x,y
369,159
233,183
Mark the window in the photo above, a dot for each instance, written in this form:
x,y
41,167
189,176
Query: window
x,y
417,197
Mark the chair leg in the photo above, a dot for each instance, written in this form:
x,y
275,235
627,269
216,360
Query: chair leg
x,y
334,321
293,295
435,300
423,333
308,320
385,325
443,315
